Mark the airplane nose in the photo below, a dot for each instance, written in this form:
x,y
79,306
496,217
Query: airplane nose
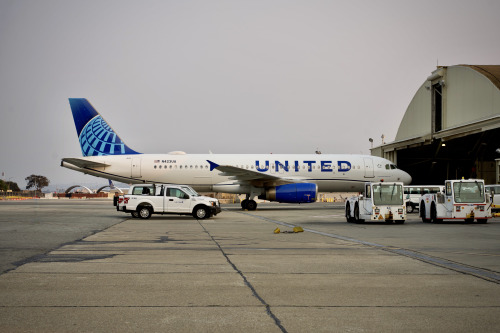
x,y
405,178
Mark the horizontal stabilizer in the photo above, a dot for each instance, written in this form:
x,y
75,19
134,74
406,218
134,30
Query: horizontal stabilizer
x,y
85,164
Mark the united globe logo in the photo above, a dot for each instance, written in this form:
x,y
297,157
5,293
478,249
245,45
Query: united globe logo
x,y
97,139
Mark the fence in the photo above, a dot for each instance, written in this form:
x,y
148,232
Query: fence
x,y
83,195
23,195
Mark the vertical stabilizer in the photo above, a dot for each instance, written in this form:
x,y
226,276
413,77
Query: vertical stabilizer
x,y
96,137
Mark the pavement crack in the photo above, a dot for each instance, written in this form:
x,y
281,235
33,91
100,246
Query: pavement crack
x,y
247,283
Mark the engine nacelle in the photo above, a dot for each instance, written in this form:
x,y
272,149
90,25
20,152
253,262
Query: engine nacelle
x,y
292,193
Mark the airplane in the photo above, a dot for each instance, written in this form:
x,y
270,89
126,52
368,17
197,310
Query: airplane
x,y
287,178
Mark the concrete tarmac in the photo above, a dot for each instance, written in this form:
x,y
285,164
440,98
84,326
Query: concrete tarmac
x,y
233,273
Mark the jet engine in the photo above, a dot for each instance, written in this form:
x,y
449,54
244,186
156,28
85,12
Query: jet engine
x,y
292,193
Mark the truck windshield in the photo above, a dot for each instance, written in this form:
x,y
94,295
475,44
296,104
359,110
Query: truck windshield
x,y
468,192
190,191
390,194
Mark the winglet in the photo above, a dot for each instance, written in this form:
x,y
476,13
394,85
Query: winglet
x,y
212,165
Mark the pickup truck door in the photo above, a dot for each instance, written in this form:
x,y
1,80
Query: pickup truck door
x,y
177,201
158,199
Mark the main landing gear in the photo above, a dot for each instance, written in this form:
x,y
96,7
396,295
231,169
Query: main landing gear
x,y
249,204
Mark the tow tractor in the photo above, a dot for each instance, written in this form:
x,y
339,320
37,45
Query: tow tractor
x,y
380,202
461,199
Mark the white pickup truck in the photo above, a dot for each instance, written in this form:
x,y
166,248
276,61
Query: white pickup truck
x,y
143,200
380,202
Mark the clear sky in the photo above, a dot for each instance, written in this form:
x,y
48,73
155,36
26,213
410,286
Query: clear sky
x,y
226,76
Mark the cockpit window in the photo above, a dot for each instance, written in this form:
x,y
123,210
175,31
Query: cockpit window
x,y
393,166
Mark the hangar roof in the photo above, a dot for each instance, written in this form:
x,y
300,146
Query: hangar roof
x,y
466,95
451,127
492,72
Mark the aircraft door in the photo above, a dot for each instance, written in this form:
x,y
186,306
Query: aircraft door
x,y
177,200
368,167
136,168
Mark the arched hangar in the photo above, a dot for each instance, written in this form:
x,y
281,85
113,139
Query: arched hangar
x,y
451,128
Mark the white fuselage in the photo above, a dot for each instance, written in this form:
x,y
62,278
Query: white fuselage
x,y
331,172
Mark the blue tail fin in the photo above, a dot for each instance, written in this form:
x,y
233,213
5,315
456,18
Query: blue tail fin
x,y
96,137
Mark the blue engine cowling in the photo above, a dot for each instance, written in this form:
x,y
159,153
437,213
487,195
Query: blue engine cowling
x,y
292,193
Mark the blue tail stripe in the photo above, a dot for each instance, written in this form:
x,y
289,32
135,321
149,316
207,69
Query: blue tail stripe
x,y
100,133
96,137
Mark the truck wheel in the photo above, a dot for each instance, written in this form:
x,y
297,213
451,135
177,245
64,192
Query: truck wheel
x,y
348,213
422,212
201,213
434,214
409,208
135,215
144,212
356,213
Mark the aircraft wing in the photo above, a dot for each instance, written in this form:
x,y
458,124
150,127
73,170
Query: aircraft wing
x,y
255,178
82,163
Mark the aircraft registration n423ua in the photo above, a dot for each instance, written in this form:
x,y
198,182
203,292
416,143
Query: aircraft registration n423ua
x,y
289,178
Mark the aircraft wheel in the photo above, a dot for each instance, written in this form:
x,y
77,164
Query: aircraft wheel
x,y
244,204
135,214
144,212
251,205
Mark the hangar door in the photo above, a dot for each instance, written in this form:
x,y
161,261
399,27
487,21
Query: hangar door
x,y
368,167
